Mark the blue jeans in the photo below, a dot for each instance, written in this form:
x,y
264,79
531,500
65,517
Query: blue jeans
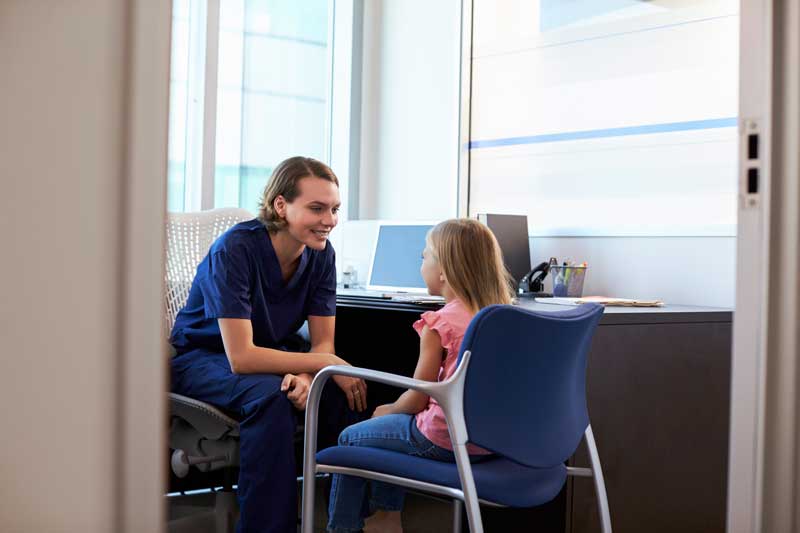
x,y
349,501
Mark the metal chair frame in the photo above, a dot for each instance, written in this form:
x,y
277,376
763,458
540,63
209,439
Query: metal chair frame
x,y
450,395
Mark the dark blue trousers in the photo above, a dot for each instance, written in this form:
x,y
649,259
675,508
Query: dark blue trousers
x,y
267,490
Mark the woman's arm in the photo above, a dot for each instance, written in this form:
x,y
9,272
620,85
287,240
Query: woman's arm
x,y
247,358
430,361
322,330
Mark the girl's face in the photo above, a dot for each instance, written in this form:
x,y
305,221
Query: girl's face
x,y
431,272
313,213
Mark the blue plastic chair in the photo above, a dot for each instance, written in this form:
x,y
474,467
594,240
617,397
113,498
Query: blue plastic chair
x,y
519,391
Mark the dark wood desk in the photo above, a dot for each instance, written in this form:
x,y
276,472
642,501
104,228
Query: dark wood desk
x,y
658,387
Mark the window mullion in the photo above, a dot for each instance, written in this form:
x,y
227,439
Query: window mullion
x,y
344,99
210,106
194,109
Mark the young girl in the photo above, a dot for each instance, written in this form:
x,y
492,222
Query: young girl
x,y
463,263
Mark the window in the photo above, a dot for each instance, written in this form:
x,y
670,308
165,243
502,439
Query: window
x,y
186,64
272,92
272,63
606,117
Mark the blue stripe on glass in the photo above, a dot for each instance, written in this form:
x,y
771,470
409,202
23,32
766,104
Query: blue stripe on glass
x,y
608,132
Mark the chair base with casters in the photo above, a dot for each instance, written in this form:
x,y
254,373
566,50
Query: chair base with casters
x,y
497,481
204,437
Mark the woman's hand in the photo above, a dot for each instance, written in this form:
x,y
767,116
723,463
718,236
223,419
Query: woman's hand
x,y
354,388
383,410
296,388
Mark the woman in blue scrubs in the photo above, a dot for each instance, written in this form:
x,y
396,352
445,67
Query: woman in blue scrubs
x,y
236,343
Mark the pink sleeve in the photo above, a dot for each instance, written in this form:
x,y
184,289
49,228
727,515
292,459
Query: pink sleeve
x,y
434,321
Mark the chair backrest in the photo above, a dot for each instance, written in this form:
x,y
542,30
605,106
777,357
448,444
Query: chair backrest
x,y
189,236
525,389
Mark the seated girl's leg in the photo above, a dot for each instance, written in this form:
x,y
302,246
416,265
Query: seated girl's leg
x,y
437,453
348,504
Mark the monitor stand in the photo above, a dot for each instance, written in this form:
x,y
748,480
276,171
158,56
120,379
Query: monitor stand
x,y
541,294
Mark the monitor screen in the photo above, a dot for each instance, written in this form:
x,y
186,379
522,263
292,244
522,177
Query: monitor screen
x,y
398,258
511,232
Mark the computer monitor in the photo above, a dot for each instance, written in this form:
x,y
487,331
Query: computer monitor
x,y
511,232
397,258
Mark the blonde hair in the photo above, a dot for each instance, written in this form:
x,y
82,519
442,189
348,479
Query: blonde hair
x,y
283,182
472,263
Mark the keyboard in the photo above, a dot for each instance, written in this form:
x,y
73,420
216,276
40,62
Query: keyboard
x,y
414,298
406,297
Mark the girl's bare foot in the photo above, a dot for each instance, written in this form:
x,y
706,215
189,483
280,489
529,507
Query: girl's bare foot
x,y
383,522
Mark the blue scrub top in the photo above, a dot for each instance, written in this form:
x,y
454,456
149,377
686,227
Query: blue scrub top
x,y
241,278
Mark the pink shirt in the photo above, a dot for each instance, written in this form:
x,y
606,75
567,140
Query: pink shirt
x,y
450,322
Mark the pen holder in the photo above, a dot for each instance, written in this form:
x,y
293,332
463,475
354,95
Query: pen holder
x,y
568,280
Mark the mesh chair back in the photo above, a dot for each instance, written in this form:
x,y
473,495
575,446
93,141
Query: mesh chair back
x,y
525,389
189,236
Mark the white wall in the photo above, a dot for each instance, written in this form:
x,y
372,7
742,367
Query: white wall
x,y
677,270
409,129
73,111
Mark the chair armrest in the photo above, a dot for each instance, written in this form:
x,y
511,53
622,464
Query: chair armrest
x,y
446,393
209,421
430,388
315,393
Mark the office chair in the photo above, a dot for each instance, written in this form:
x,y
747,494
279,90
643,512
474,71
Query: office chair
x,y
200,434
518,391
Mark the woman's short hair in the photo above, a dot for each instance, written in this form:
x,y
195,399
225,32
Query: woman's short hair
x,y
472,262
283,182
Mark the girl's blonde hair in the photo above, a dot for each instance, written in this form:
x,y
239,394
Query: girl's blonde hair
x,y
472,263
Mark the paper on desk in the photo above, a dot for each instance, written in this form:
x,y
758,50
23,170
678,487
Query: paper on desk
x,y
603,300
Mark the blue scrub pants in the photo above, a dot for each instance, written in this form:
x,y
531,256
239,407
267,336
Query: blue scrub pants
x,y
267,490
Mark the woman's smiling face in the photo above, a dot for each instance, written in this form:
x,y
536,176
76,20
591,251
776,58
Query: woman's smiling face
x,y
313,213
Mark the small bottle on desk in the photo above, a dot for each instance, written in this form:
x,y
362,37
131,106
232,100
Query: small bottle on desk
x,y
349,277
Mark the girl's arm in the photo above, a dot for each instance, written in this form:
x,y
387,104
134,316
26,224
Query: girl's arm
x,y
430,361
247,358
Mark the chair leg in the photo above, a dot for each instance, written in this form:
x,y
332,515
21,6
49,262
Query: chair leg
x,y
310,459
468,487
457,508
225,511
307,508
599,482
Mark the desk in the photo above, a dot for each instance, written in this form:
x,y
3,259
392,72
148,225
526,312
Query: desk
x,y
658,386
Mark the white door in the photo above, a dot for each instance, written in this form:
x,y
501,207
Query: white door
x,y
764,468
